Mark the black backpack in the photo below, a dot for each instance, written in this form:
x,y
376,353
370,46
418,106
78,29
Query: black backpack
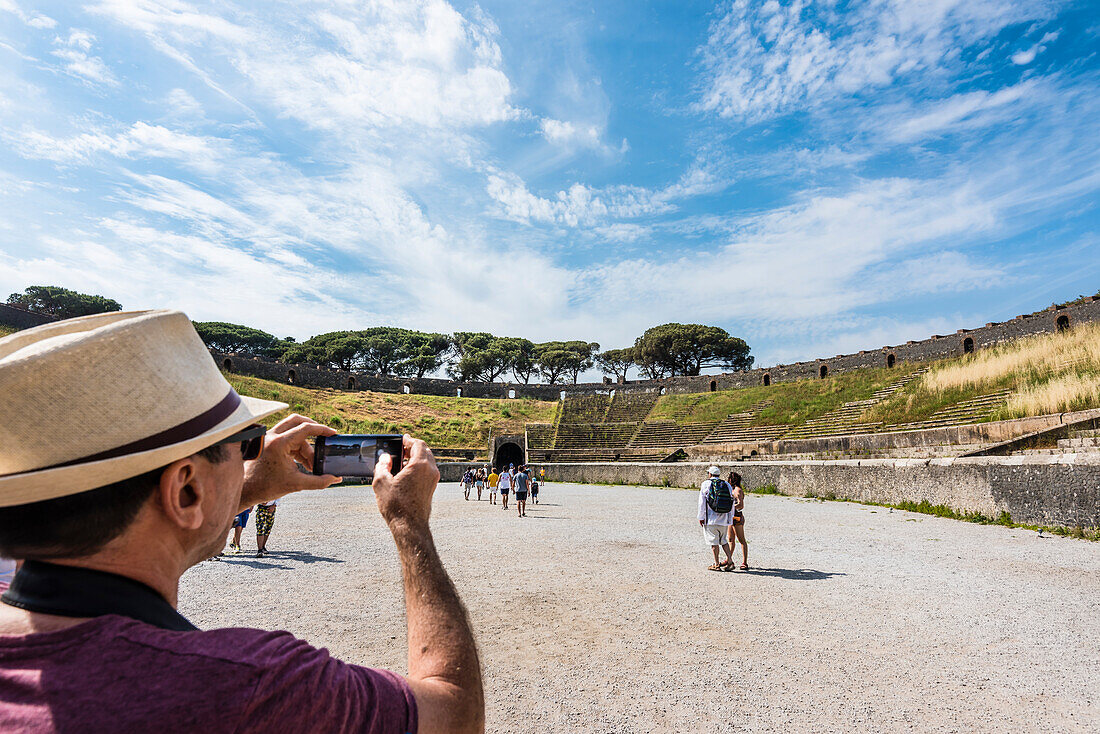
x,y
719,496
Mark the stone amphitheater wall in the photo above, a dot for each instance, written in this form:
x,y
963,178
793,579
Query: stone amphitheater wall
x,y
1038,490
936,347
19,318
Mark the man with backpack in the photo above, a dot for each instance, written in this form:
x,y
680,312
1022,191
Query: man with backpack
x,y
716,516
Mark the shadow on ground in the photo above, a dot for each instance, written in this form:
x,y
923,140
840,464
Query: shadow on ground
x,y
794,574
302,557
253,562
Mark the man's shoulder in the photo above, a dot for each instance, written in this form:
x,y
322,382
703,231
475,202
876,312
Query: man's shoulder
x,y
235,645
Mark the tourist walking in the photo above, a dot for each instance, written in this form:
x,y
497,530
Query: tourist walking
x,y
239,523
467,483
716,515
479,481
505,486
737,524
494,480
265,520
534,488
522,483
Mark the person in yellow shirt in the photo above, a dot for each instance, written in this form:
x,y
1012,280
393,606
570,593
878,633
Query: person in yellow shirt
x,y
494,480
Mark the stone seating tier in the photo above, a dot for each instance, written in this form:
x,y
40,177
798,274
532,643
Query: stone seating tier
x,y
671,434
594,435
585,409
631,407
540,435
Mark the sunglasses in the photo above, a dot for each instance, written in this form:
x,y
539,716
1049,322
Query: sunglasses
x,y
251,440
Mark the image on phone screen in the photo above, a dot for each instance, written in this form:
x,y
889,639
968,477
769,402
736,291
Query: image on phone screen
x,y
349,455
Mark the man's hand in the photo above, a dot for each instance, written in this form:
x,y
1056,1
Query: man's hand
x,y
444,670
276,472
407,495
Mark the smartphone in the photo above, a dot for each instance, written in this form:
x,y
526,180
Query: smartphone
x,y
355,455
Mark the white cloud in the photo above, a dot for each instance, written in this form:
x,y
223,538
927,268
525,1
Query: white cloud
x,y
760,61
1026,56
74,51
343,66
183,105
966,110
141,140
174,19
578,136
1023,58
622,232
581,205
576,205
34,20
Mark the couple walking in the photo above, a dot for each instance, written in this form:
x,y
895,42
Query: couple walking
x,y
518,480
720,514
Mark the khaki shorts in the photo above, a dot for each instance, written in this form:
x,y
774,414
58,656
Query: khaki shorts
x,y
716,534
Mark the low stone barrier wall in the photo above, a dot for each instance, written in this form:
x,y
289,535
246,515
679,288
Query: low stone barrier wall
x,y
452,471
1040,490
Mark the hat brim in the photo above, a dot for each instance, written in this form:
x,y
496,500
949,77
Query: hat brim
x,y
46,484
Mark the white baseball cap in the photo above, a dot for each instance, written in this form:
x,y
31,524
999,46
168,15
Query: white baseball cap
x,y
714,471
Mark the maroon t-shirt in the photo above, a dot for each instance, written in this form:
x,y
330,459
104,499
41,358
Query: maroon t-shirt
x,y
114,674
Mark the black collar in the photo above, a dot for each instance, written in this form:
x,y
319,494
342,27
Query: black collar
x,y
69,591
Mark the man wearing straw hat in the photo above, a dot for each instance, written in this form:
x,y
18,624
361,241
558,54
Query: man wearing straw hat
x,y
124,456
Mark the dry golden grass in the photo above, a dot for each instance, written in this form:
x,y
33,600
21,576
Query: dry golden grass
x,y
1057,395
1047,373
1034,358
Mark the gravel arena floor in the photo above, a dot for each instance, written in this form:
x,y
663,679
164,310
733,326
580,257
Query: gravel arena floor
x,y
596,612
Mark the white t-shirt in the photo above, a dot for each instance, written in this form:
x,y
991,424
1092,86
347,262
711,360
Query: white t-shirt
x,y
707,515
505,480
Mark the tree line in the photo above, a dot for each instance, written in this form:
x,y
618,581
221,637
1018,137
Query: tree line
x,y
668,350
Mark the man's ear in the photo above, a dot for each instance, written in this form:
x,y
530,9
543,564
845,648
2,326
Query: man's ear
x,y
180,493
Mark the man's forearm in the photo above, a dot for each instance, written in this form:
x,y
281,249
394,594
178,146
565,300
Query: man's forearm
x,y
441,642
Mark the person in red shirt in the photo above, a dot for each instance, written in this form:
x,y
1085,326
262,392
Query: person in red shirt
x,y
130,472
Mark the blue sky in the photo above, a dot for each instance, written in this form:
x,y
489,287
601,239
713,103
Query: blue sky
x,y
815,177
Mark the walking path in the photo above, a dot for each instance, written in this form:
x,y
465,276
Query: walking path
x,y
596,613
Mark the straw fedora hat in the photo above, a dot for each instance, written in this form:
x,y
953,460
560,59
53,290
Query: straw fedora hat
x,y
94,400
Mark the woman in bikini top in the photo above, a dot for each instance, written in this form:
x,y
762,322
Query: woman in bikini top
x,y
737,529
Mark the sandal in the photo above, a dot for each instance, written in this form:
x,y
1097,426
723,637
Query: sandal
x,y
744,567
715,567
728,566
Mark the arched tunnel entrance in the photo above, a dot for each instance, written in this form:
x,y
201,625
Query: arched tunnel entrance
x,y
507,453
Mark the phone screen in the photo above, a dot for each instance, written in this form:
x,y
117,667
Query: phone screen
x,y
355,455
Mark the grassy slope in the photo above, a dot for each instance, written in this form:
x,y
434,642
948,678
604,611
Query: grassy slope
x,y
1048,374
795,402
5,330
444,422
